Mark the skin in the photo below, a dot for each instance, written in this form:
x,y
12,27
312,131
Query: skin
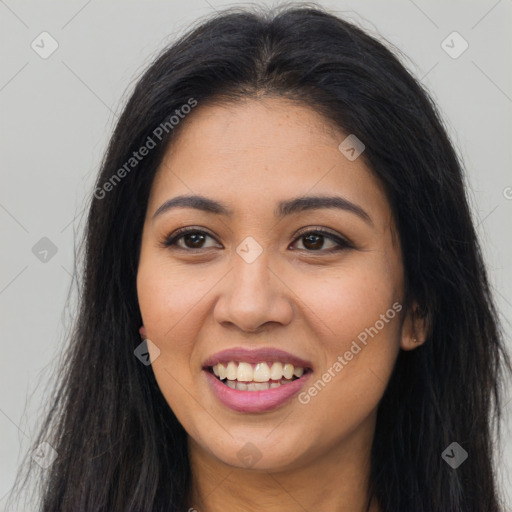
x,y
295,296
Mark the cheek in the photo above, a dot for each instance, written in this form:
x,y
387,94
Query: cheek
x,y
356,314
352,299
168,296
171,308
170,305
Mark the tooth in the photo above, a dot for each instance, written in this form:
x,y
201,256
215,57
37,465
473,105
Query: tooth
x,y
274,385
231,384
261,373
244,372
276,372
288,371
257,386
241,386
231,371
298,372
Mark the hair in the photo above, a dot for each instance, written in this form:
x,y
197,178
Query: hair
x,y
120,447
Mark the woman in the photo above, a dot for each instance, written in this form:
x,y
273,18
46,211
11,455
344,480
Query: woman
x,y
281,218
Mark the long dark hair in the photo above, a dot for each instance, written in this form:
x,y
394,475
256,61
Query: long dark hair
x,y
120,448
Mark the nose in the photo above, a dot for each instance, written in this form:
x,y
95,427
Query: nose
x,y
253,295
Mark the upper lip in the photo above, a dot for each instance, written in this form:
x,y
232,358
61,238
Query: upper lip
x,y
255,356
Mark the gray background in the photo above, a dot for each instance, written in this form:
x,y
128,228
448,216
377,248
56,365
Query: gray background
x,y
58,113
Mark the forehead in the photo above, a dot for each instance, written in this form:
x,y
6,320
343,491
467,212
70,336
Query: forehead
x,y
260,151
270,126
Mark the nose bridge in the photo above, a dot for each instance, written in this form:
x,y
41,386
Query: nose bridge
x,y
251,277
253,295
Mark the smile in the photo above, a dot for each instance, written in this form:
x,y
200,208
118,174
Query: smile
x,y
261,376
257,380
256,377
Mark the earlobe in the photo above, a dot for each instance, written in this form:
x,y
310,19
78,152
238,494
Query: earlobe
x,y
142,332
414,328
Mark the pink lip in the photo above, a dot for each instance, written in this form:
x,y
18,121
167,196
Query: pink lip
x,y
259,355
254,401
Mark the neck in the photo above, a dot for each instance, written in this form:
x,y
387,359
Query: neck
x,y
336,480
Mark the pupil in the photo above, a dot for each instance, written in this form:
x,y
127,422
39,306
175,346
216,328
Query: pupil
x,y
315,241
195,238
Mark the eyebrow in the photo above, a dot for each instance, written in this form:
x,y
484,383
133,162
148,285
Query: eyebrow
x,y
284,208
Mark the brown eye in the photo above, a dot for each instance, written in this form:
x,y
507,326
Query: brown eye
x,y
190,239
194,240
315,241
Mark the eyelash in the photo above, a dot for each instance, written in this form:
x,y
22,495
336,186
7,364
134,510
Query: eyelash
x,y
342,243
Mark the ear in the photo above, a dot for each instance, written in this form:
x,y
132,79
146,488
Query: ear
x,y
142,332
414,328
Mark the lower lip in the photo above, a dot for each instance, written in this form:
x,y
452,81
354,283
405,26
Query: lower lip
x,y
254,401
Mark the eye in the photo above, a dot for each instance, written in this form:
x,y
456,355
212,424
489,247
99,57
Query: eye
x,y
189,238
314,241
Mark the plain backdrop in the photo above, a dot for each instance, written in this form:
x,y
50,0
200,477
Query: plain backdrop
x,y
57,114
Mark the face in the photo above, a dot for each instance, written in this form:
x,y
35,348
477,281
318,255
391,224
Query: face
x,y
302,296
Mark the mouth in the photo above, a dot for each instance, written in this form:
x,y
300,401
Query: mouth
x,y
257,380
261,376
